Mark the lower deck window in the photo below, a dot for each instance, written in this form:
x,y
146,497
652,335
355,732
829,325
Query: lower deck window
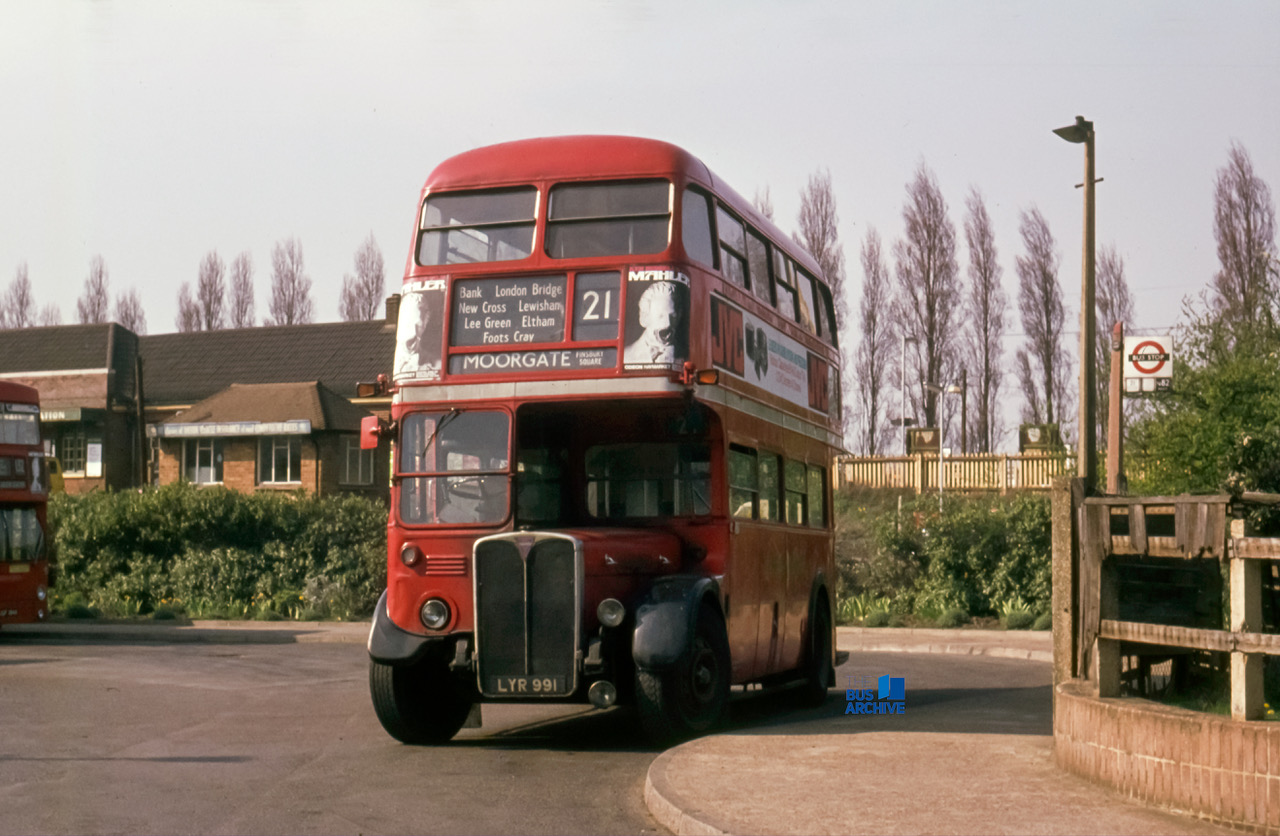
x,y
659,479
21,537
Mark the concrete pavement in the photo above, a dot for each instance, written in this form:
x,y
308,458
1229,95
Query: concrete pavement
x,y
972,753
968,756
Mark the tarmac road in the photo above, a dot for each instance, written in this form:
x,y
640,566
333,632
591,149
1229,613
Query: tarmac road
x,y
281,738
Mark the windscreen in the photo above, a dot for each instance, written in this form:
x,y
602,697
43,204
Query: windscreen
x,y
19,423
453,467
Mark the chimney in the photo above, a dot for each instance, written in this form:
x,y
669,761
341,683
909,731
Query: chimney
x,y
393,308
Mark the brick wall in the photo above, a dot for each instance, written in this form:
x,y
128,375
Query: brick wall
x,y
1206,765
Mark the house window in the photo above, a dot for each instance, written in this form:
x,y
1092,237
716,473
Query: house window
x,y
202,461
70,449
280,460
357,467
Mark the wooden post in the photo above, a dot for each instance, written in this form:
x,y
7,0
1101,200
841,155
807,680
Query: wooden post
x,y
1246,617
1115,412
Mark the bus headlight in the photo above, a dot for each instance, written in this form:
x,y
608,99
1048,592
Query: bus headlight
x,y
611,612
41,593
435,614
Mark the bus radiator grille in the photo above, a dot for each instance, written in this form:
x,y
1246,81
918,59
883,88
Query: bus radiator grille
x,y
526,617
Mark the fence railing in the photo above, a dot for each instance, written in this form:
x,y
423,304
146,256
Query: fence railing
x,y
1119,617
968,472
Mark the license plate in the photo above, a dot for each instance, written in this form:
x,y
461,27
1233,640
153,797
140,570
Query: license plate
x,y
532,686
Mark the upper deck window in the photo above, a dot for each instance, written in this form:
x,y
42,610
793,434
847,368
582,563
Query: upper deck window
x,y
469,227
733,247
600,219
696,227
808,312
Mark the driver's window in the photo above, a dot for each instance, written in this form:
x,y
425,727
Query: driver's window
x,y
453,467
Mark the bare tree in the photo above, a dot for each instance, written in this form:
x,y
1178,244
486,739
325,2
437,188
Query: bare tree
x,y
763,202
929,293
188,318
129,311
211,291
362,293
290,285
18,305
987,309
820,235
50,314
1113,303
94,305
1044,363
875,347
1244,225
240,312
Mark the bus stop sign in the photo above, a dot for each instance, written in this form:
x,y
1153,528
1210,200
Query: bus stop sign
x,y
1148,364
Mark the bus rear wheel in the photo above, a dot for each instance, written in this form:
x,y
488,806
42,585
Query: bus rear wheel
x,y
690,697
819,671
419,704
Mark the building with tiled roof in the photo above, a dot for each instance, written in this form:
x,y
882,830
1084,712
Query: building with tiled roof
x,y
104,390
87,379
264,436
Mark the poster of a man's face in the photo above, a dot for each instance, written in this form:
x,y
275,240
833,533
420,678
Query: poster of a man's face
x,y
657,321
419,331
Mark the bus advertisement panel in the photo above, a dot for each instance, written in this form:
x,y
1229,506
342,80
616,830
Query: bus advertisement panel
x,y
615,405
24,490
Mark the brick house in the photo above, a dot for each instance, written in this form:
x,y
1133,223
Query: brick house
x,y
105,391
270,436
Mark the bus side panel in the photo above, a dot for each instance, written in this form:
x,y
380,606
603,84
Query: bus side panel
x,y
742,588
806,555
767,546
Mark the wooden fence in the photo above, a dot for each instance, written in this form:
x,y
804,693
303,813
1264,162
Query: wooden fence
x,y
1119,533
963,473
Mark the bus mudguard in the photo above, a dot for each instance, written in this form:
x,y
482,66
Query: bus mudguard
x,y
389,644
667,618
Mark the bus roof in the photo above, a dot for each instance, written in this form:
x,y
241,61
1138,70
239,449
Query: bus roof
x,y
13,392
597,157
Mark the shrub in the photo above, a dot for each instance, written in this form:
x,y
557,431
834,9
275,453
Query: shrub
x,y
214,552
969,556
1044,621
880,618
953,617
1019,620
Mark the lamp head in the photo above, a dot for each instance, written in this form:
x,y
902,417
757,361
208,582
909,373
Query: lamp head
x,y
1079,132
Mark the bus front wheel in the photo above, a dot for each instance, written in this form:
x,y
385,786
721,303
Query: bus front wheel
x,y
689,697
421,703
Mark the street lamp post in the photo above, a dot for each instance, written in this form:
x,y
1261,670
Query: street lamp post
x,y
1087,458
953,389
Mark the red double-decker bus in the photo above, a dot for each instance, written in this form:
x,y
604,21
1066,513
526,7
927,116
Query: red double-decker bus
x,y
615,406
24,492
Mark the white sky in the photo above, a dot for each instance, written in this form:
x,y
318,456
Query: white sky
x,y
153,132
